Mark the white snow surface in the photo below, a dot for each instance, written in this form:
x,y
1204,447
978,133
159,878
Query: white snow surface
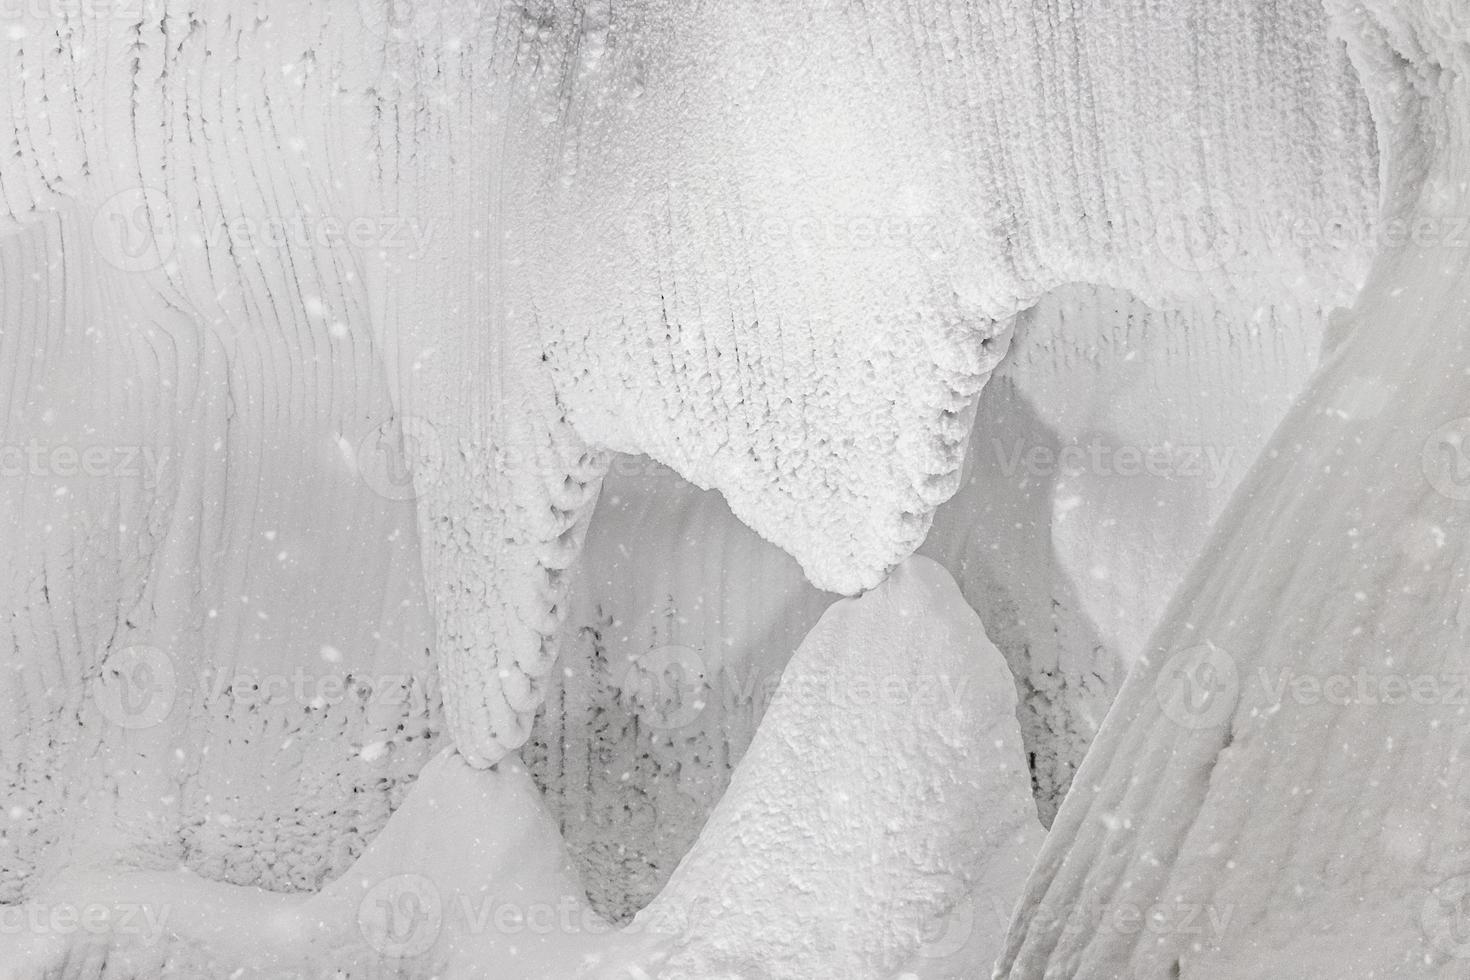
x,y
772,238
1280,789
1110,439
885,787
772,246
858,833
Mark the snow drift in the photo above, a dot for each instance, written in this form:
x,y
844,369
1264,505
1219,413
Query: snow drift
x,y
1279,788
884,794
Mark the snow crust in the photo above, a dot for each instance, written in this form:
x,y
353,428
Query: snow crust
x,y
716,235
1108,442
708,141
1284,771
468,879
858,834
179,683
884,785
679,626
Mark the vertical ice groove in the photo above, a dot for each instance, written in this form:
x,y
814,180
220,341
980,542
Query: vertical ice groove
x,y
1311,827
763,243
219,375
768,241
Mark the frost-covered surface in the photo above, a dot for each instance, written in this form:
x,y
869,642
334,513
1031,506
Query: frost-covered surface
x,y
1068,561
765,244
775,246
1280,789
825,207
467,880
679,626
885,782
182,685
1109,440
858,834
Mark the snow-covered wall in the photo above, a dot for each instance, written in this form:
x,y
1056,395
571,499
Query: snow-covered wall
x,y
772,238
679,628
1281,787
773,246
1110,439
181,683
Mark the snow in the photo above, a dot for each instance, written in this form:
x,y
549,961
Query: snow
x,y
883,812
153,475
1110,439
688,317
885,786
456,885
1284,769
678,628
677,232
780,249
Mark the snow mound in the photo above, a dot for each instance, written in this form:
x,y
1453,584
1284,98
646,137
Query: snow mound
x,y
884,784
1280,789
775,246
468,879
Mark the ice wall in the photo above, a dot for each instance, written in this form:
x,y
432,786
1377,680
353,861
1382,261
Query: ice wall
x,y
797,225
1109,441
182,684
773,247
884,786
1281,786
